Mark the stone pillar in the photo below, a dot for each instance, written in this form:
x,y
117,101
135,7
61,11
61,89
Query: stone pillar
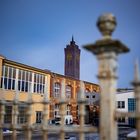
x,y
46,107
29,117
63,109
136,84
106,51
108,83
47,92
81,102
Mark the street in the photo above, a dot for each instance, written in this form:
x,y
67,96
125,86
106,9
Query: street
x,y
37,135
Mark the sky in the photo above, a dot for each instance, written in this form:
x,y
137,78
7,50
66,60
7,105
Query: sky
x,y
35,33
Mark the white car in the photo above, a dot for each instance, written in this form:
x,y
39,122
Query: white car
x,y
68,119
70,138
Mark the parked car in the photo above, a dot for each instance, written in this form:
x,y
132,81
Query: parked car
x,y
7,131
57,120
70,138
68,119
51,122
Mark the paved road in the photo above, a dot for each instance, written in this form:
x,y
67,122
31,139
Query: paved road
x,y
71,136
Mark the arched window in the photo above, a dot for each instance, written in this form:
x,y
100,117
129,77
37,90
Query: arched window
x,y
56,110
87,90
68,91
68,109
57,89
94,89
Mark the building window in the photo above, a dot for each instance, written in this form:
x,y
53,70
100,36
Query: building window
x,y
121,120
68,110
22,116
93,96
131,108
8,78
68,91
121,104
38,116
87,90
78,112
94,90
87,96
131,104
56,110
8,114
57,90
39,83
24,81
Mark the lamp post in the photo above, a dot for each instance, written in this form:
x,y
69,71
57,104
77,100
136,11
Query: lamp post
x,y
106,51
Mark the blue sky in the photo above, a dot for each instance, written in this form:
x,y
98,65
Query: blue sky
x,y
35,32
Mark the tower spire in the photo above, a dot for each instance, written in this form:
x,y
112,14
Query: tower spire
x,y
72,40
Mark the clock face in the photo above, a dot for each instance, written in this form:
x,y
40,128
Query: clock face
x,y
69,56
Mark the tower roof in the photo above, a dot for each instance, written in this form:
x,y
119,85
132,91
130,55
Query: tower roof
x,y
72,41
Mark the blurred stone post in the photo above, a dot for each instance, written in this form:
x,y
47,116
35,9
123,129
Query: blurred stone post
x,y
63,110
2,112
81,102
46,102
106,51
15,112
29,117
136,84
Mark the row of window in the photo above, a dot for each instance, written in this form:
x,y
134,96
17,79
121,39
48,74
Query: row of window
x,y
22,117
131,104
25,80
93,96
22,113
131,108
57,110
57,90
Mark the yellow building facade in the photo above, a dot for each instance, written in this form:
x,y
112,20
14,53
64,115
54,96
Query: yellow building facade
x,y
22,82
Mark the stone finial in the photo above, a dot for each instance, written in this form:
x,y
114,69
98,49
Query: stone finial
x,y
72,41
106,24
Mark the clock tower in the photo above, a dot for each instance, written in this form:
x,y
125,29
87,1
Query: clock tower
x,y
72,60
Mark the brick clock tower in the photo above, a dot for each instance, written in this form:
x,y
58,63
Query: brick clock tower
x,y
72,60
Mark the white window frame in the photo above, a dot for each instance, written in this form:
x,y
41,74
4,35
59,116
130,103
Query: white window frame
x,y
56,110
57,89
68,91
